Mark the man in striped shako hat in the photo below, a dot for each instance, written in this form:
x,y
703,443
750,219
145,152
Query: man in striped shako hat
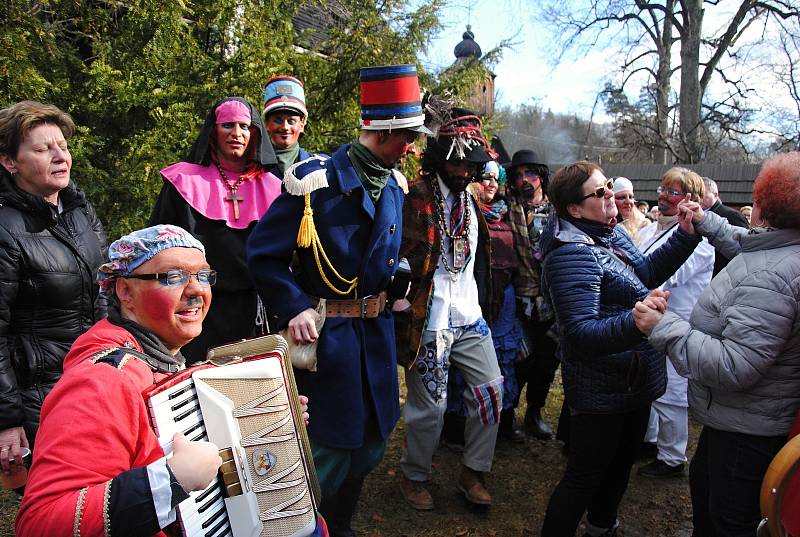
x,y
342,217
446,241
285,117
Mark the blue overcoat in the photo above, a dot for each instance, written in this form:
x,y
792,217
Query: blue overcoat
x,y
355,384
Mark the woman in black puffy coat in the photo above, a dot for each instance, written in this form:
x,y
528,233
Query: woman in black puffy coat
x,y
594,276
51,245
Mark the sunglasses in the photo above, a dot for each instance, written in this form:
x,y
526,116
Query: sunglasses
x,y
178,277
601,191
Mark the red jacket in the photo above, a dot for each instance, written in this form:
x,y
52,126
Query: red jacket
x,y
95,426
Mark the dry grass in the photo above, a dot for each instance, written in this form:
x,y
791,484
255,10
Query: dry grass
x,y
521,482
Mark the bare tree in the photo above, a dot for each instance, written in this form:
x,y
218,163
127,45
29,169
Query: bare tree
x,y
787,72
645,32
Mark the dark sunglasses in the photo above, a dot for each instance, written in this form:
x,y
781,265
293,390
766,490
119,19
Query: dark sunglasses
x,y
178,277
601,191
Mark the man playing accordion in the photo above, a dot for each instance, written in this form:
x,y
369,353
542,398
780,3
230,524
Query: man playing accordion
x,y
100,469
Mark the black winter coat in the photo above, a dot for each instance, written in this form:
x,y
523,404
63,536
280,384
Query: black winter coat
x,y
48,289
606,363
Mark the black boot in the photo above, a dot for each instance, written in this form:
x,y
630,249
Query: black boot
x,y
535,425
339,509
508,427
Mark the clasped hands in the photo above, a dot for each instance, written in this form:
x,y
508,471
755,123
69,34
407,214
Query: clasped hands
x,y
649,311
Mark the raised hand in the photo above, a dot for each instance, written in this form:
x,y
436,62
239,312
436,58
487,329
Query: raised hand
x,y
685,217
692,208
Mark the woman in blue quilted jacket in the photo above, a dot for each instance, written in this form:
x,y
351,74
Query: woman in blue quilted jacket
x,y
594,276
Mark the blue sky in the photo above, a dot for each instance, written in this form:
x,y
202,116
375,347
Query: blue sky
x,y
524,75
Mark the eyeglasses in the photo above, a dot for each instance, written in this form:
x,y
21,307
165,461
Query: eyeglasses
x,y
601,191
669,191
178,277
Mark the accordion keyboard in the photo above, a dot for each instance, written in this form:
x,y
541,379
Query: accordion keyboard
x,y
203,514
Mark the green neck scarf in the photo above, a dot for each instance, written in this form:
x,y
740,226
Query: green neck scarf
x,y
287,157
372,172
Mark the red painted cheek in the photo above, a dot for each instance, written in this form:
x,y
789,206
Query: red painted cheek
x,y
159,304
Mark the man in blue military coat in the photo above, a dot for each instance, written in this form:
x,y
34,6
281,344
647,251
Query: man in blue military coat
x,y
342,217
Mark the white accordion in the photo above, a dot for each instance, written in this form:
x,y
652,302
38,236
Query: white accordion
x,y
267,484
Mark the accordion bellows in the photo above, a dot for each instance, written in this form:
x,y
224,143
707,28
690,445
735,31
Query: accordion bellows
x,y
250,410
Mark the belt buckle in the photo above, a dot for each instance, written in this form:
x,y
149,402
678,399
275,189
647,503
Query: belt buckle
x,y
364,305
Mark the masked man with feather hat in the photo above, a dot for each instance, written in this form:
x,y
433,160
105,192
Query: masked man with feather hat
x,y
446,241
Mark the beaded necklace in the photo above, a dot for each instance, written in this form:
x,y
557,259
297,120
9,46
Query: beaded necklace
x,y
233,187
460,240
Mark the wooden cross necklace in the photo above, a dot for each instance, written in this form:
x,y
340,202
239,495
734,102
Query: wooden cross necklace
x,y
233,196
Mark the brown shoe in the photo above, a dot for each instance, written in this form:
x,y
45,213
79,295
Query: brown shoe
x,y
471,484
416,494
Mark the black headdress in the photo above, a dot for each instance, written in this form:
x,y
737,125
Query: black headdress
x,y
457,135
200,152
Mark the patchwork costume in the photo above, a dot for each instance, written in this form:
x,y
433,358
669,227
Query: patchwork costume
x,y
220,208
446,241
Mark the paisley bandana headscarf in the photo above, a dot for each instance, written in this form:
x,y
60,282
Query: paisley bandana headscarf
x,y
130,251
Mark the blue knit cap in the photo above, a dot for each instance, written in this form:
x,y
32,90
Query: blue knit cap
x,y
134,249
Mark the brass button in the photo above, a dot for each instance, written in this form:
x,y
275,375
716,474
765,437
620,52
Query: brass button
x,y
391,262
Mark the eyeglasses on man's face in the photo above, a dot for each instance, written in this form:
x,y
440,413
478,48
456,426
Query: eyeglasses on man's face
x,y
177,277
669,191
600,191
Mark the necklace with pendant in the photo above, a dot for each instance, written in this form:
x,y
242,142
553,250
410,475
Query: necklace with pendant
x,y
459,241
233,197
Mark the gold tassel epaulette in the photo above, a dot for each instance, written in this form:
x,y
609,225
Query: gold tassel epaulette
x,y
314,178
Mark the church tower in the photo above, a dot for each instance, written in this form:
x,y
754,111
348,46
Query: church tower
x,y
481,99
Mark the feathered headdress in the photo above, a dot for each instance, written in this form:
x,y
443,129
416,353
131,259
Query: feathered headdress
x,y
461,127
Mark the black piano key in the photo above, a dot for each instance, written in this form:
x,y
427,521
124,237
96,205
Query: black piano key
x,y
210,520
180,392
188,412
222,524
193,428
210,502
185,402
205,494
201,436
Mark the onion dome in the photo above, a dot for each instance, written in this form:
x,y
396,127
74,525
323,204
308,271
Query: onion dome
x,y
468,48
